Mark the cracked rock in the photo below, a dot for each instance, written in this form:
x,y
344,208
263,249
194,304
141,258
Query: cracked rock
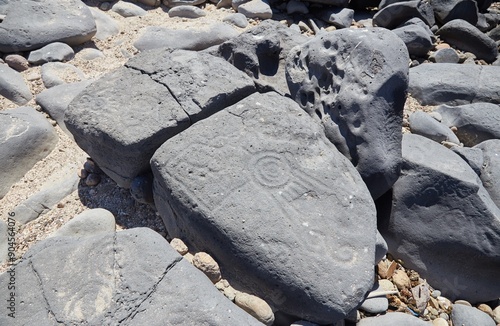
x,y
131,277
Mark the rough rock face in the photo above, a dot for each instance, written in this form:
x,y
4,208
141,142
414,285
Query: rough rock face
x,y
443,223
132,277
32,24
260,188
25,138
490,171
355,86
155,96
261,52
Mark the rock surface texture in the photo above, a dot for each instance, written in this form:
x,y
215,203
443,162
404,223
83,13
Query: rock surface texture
x,y
354,85
263,165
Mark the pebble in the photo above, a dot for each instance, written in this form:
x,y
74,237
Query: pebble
x,y
226,289
179,246
205,263
90,54
82,173
375,304
463,302
17,62
237,19
54,52
256,307
127,9
91,167
444,316
187,12
486,309
447,55
444,303
440,322
496,315
386,285
93,179
189,257
401,279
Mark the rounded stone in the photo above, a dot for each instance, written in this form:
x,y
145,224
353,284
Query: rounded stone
x,y
93,179
256,307
205,263
401,279
17,62
463,302
486,309
496,315
446,55
439,322
179,246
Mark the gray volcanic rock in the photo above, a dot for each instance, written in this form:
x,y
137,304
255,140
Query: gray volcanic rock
x,y
88,223
55,100
155,37
186,12
58,73
443,222
452,84
13,87
423,124
448,10
354,84
397,13
469,38
475,122
473,156
261,189
155,96
4,242
261,52
417,39
26,137
465,315
133,276
56,51
256,9
30,25
490,171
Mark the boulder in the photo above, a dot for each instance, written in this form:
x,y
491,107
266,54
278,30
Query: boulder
x,y
256,9
448,10
443,223
467,37
452,84
88,223
106,26
186,12
397,13
13,87
475,122
490,171
260,188
261,52
155,37
354,84
29,25
472,156
26,137
155,96
133,277
127,9
416,38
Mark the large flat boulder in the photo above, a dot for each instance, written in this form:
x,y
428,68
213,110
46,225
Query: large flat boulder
x,y
31,24
132,277
122,118
452,84
260,188
354,82
443,222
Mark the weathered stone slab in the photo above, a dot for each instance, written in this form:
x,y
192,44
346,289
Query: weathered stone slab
x,y
443,222
132,278
354,82
261,189
122,118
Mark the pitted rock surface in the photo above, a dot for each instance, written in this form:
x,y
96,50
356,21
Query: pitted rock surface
x,y
352,83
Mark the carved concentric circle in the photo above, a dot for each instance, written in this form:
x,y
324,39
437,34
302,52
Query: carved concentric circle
x,y
270,170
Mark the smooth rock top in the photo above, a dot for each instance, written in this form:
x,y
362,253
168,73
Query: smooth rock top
x,y
280,209
13,87
353,82
56,51
32,24
464,315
